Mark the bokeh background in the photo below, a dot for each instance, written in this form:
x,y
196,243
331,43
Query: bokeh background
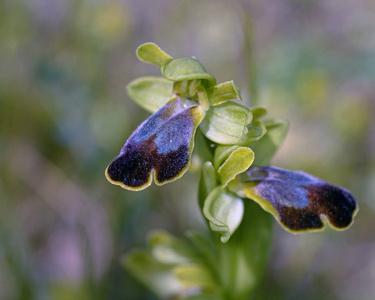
x,y
64,114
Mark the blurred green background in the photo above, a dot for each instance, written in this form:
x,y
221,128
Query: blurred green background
x,y
64,115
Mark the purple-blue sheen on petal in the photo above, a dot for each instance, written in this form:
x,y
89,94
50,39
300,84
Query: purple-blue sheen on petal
x,y
299,200
163,143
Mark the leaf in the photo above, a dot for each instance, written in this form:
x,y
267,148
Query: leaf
x,y
299,201
162,144
205,247
207,182
151,53
226,123
224,211
243,259
194,275
182,69
150,92
167,249
157,277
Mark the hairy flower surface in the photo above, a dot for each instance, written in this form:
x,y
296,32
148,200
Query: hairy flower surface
x,y
300,201
162,144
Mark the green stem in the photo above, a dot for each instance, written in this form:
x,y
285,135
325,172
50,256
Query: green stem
x,y
248,54
243,259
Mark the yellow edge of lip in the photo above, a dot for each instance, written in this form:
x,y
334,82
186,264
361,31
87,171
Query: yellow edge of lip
x,y
269,208
124,186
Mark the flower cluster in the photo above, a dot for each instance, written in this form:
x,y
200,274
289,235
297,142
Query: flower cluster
x,y
235,146
187,97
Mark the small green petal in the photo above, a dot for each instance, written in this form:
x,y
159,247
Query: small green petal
x,y
258,111
238,161
223,92
167,249
151,53
156,276
226,123
151,93
224,211
194,275
182,69
222,153
267,146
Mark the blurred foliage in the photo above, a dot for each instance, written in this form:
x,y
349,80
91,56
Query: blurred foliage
x,y
64,113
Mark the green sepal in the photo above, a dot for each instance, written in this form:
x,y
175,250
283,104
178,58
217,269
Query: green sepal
x,y
167,249
207,182
183,69
226,123
223,92
151,53
255,131
224,211
156,276
237,162
150,92
266,147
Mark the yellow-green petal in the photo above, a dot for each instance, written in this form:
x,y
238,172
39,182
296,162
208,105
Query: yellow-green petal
x,y
151,53
237,162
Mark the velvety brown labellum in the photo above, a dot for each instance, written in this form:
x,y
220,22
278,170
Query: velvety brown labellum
x,y
298,200
163,143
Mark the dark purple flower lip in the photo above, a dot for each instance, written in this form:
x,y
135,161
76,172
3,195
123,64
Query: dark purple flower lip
x,y
299,201
162,144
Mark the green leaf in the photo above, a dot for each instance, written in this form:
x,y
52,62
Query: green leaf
x,y
150,92
223,92
224,211
266,147
194,275
182,69
151,53
204,246
167,249
237,162
156,276
205,296
207,182
226,123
